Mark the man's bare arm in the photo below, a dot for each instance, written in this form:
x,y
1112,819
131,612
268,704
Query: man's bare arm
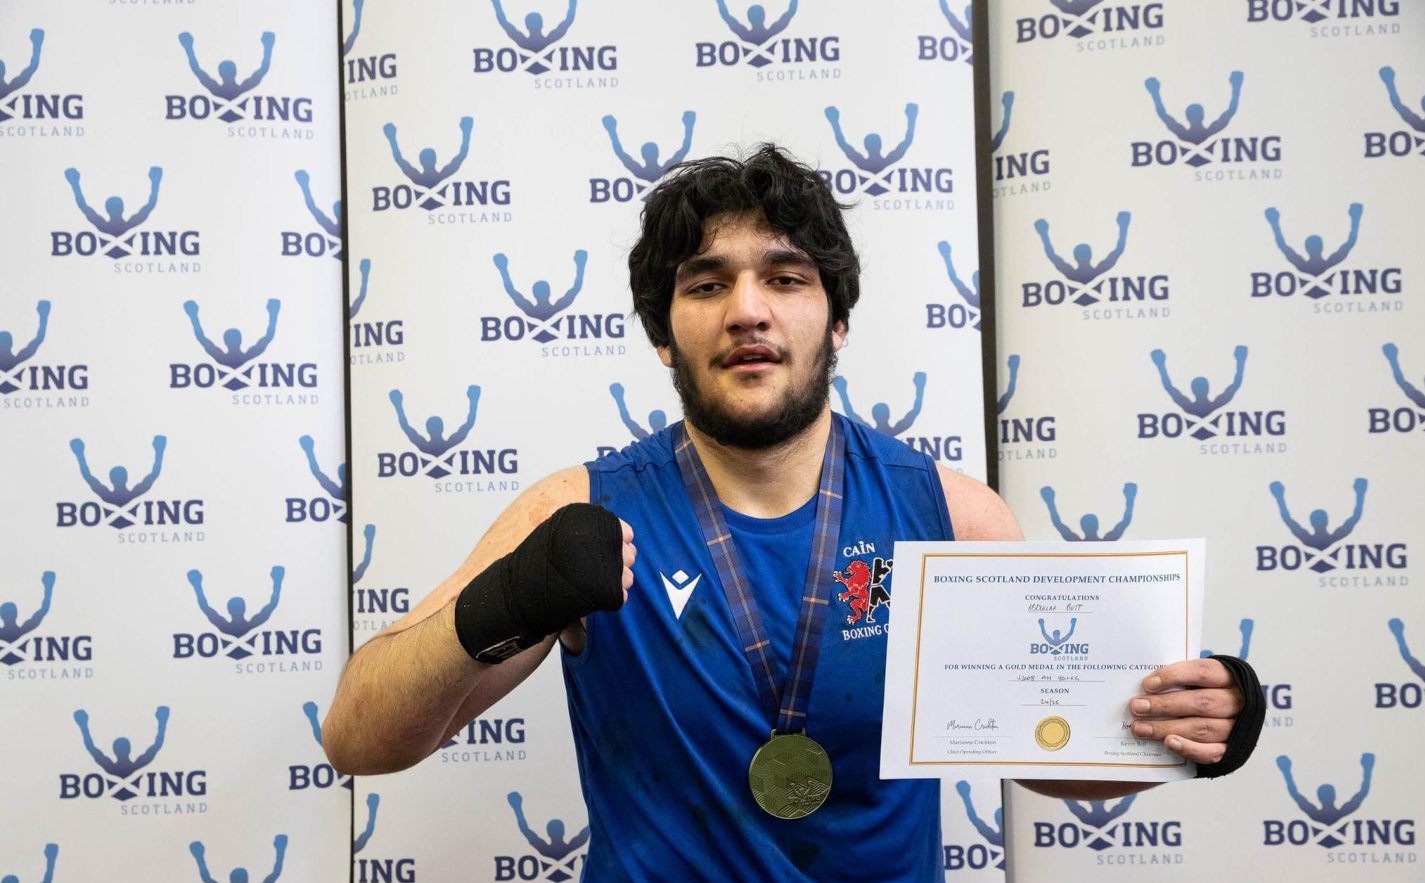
x,y
413,686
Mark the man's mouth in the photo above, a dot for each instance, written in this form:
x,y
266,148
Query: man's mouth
x,y
752,357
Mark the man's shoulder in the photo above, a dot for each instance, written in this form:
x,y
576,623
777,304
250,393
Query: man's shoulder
x,y
976,511
651,451
866,443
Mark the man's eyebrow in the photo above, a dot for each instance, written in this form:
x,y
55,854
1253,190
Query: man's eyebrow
x,y
787,256
702,264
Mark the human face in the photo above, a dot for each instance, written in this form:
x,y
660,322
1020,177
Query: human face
x,y
751,343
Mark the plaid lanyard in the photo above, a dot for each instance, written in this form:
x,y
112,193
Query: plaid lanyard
x,y
787,703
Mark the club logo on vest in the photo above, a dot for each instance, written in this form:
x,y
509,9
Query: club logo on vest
x,y
1316,275
940,447
645,172
554,858
761,46
1086,283
117,236
487,740
39,384
234,367
1277,696
977,856
29,652
1201,144
240,637
1398,417
1205,418
367,74
314,243
1116,839
1323,549
1023,438
1409,141
321,775
445,199
1016,172
1330,18
127,779
1096,26
440,456
256,115
866,592
680,589
545,320
120,506
1330,826
27,113
957,46
880,174
535,52
961,313
1407,694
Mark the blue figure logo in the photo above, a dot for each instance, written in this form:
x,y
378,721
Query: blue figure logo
x,y
350,40
1392,355
369,533
993,836
1397,628
1089,523
51,853
1098,817
10,360
16,83
1007,102
428,178
1084,271
373,800
1415,120
873,162
1320,537
1328,814
541,310
115,226
657,420
239,875
969,293
231,356
335,489
120,495
1314,265
756,33
226,86
123,767
435,444
557,863
236,626
310,710
880,411
330,223
1078,10
1245,627
1058,637
1201,405
651,169
962,28
1003,403
365,269
533,39
12,631
1195,132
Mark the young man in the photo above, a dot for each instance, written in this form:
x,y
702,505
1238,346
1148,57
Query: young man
x,y
681,664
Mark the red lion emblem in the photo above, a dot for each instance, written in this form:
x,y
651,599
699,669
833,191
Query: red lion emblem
x,y
858,590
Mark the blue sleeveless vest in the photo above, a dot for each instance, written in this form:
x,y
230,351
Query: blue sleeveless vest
x,y
666,715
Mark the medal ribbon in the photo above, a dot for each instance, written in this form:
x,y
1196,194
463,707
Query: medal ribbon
x,y
787,703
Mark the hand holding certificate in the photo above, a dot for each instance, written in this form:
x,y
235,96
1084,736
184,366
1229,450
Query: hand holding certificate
x,y
1020,660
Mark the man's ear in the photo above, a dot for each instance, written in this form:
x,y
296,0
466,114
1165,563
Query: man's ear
x,y
838,336
665,356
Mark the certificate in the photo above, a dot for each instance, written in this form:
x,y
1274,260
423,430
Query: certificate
x,y
1018,660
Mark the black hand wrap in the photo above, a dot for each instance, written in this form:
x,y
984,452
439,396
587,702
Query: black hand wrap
x,y
570,565
1248,726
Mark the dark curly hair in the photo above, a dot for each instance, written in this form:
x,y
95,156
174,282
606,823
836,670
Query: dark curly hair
x,y
792,197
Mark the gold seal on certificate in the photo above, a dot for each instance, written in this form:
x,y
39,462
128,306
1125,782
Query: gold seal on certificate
x,y
1052,733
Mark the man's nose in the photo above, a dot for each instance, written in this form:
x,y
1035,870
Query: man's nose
x,y
748,305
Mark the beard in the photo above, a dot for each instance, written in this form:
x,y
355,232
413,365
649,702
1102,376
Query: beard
x,y
798,409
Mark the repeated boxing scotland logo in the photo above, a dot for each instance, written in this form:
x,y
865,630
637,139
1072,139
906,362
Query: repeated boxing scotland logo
x,y
374,341
127,509
774,50
31,382
1087,283
1214,154
141,786
941,447
29,112
977,856
1204,417
550,322
441,456
435,188
1106,828
540,50
374,607
1330,19
117,235
236,368
1397,142
1323,549
366,74
239,875
1277,695
239,636
329,507
1409,694
555,857
326,240
956,46
319,776
1094,25
955,312
1331,826
230,98
1016,171
644,173
1396,416
1333,283
657,420
882,174
1031,437
51,852
30,650
1088,525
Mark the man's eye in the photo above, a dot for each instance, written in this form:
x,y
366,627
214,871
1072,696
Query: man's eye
x,y
786,281
703,288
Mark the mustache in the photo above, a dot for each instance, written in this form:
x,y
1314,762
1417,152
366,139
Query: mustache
x,y
783,354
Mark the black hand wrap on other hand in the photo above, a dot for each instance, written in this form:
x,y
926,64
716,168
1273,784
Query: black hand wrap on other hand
x,y
570,565
1248,726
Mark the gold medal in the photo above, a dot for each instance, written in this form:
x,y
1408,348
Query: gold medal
x,y
790,776
1052,733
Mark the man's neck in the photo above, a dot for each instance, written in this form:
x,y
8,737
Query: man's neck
x,y
768,482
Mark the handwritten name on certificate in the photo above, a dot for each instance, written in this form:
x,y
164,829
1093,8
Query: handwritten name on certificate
x,y
1018,660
